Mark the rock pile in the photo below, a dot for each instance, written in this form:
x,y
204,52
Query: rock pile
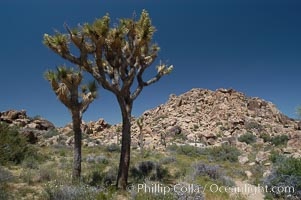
x,y
198,117
32,128
205,117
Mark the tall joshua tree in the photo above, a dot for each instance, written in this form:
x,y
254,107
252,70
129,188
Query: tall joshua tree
x,y
65,83
115,57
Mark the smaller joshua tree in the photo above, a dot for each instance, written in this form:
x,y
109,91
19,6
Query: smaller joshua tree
x,y
65,83
141,135
298,112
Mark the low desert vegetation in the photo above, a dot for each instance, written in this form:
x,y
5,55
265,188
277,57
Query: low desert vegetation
x,y
48,174
248,138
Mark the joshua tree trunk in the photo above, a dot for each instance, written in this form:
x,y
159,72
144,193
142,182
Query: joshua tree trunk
x,y
141,137
76,120
126,110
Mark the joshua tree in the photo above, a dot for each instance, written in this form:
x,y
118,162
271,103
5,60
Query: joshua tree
x,y
141,135
115,57
65,83
298,112
118,130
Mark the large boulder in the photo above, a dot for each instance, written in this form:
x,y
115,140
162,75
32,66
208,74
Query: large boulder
x,y
10,115
43,124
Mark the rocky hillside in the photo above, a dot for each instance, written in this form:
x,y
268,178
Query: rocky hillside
x,y
204,117
32,128
198,117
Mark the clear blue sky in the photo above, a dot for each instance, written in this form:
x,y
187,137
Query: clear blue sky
x,y
253,46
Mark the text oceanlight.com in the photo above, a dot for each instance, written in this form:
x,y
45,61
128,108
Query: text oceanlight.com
x,y
157,188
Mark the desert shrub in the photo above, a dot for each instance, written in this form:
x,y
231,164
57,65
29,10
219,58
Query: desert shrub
x,y
50,133
286,174
257,174
55,191
276,157
13,145
168,160
30,162
110,177
279,140
290,166
94,178
97,159
99,177
248,138
160,174
5,177
113,148
222,153
172,148
202,169
149,170
186,149
266,137
142,170
46,173
64,163
29,176
253,125
214,172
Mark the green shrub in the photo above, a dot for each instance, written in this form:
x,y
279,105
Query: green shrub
x,y
113,148
279,140
46,173
55,191
30,162
276,157
290,167
50,133
222,153
168,160
5,177
172,148
286,173
149,170
29,176
202,169
99,177
13,145
186,149
248,138
266,137
253,125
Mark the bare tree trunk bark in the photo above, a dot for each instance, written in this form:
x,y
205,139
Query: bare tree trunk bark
x,y
126,109
76,120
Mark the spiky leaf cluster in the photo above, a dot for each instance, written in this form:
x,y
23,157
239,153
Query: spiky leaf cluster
x,y
116,55
65,83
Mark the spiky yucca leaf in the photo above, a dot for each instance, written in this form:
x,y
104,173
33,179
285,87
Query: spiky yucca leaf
x,y
50,75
